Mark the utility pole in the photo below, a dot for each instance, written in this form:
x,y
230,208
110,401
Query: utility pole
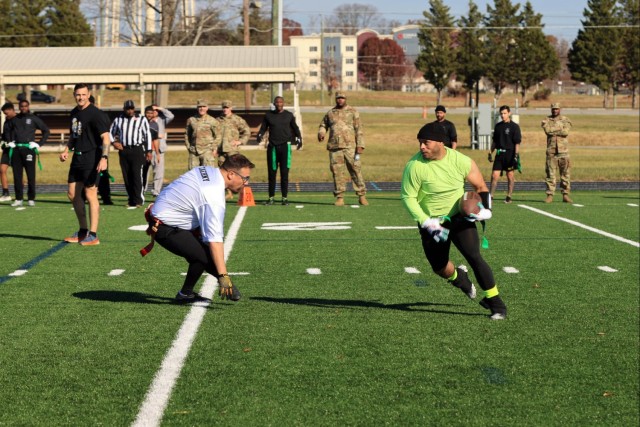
x,y
247,86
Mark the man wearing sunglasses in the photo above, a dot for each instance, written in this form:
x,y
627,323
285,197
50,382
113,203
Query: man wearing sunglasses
x,y
187,219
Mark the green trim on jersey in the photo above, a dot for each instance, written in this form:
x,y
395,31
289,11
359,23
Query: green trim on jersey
x,y
432,188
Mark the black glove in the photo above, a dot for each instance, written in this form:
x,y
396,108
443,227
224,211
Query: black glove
x,y
489,157
298,143
514,162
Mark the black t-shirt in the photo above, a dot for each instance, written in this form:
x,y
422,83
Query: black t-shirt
x,y
87,126
506,136
449,129
282,127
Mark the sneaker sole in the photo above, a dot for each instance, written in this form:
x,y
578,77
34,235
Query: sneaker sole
x,y
498,316
92,243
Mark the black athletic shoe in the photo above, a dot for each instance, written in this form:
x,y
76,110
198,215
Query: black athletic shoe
x,y
497,307
188,298
285,201
463,283
107,202
269,201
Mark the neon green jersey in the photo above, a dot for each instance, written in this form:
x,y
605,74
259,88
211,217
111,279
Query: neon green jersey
x,y
431,188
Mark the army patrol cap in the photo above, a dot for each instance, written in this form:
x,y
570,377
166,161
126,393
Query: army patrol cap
x,y
555,105
434,132
226,104
340,95
202,103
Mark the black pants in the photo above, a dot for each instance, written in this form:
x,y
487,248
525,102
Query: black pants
x,y
184,244
278,155
132,161
464,235
104,186
24,157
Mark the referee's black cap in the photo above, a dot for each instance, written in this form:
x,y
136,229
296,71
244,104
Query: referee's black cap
x,y
434,132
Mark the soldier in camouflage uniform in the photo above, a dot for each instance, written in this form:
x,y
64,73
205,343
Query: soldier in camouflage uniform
x,y
234,132
202,136
345,144
557,128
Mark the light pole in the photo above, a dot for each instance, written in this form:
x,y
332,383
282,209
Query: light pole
x,y
246,5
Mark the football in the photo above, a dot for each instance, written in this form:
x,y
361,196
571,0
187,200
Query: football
x,y
469,203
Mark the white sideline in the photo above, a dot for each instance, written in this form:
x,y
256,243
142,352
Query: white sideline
x,y
157,398
586,227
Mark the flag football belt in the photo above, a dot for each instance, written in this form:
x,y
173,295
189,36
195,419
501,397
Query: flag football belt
x,y
26,145
152,230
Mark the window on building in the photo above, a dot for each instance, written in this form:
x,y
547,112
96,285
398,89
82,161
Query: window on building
x,y
350,87
349,73
331,48
313,48
313,73
349,48
313,61
349,61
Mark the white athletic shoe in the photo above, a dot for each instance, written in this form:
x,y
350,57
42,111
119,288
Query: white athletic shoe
x,y
5,198
31,202
17,203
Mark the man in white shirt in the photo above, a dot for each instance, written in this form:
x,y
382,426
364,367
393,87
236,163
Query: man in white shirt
x,y
187,219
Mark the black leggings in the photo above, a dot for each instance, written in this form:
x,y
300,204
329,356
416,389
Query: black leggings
x,y
184,244
278,155
464,236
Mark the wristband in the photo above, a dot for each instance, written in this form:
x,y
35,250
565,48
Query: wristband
x,y
105,157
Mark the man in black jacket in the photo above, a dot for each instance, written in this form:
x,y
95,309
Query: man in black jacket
x,y
24,151
282,128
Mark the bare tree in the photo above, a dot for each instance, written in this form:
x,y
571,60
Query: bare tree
x,y
350,18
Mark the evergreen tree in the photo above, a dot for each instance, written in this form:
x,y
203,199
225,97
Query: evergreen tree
x,y
596,51
630,63
437,56
471,57
537,59
7,22
66,25
27,23
502,22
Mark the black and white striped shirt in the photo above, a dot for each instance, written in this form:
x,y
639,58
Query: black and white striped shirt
x,y
131,131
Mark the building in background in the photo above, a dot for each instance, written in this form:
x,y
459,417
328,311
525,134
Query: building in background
x,y
327,60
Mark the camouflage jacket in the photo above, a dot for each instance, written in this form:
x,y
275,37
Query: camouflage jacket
x,y
344,128
557,130
202,134
232,128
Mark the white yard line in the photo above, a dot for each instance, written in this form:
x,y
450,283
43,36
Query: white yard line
x,y
157,398
116,272
586,227
411,270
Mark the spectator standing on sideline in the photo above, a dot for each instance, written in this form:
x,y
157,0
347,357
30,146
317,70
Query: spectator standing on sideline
x,y
9,112
155,144
345,144
89,140
449,127
187,219
24,152
283,131
432,184
234,132
132,138
201,137
506,143
557,128
162,117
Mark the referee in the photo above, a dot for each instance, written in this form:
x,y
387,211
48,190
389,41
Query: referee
x,y
131,136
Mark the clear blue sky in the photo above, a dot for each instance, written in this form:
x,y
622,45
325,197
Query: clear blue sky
x,y
561,17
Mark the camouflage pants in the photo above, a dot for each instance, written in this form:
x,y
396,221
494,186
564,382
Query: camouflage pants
x,y
205,158
341,161
561,164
